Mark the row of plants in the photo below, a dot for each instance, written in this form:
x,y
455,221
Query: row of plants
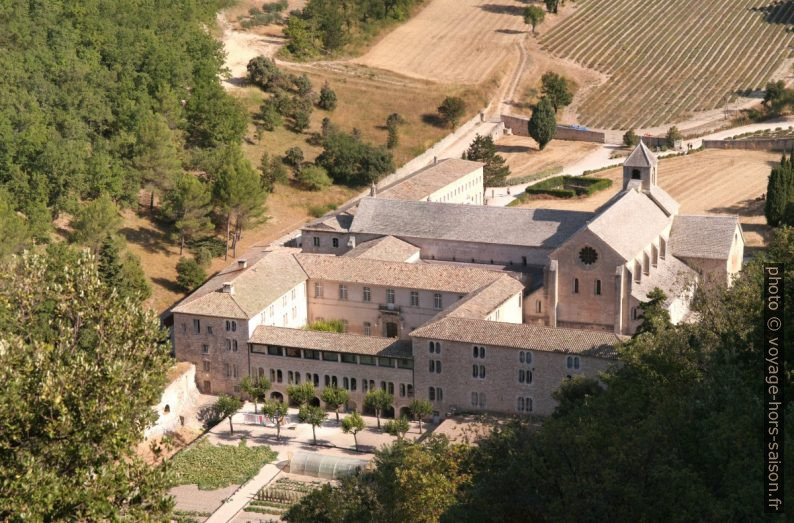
x,y
212,467
279,497
550,171
569,186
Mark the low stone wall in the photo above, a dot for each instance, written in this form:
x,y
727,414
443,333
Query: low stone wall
x,y
178,396
760,144
519,125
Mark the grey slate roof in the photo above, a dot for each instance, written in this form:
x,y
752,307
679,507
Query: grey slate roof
x,y
425,182
630,223
521,336
268,275
426,276
387,248
664,200
703,236
641,156
339,221
469,223
330,341
671,275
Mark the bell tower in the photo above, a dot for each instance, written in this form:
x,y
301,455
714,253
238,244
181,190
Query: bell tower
x,y
640,169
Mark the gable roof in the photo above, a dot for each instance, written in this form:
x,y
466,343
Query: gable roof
x,y
330,341
663,199
428,180
482,302
641,156
269,274
708,237
630,223
387,248
671,275
467,223
522,336
437,277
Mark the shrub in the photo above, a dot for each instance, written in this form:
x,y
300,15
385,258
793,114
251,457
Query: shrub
x,y
264,72
189,274
314,178
672,136
294,157
320,210
326,326
327,100
215,246
302,85
269,116
350,161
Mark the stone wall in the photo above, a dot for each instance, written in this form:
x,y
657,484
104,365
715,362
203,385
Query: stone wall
x,y
519,125
760,144
178,397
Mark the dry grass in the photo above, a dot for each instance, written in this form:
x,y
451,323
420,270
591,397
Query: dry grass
x,y
707,182
451,41
524,157
665,59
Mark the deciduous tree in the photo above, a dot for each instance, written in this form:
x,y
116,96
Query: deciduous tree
x,y
353,424
334,398
227,406
452,110
378,400
301,394
420,409
277,410
327,100
397,427
314,416
533,15
556,89
256,388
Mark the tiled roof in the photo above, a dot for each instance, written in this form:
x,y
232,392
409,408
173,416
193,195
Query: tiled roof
x,y
387,248
521,336
671,275
331,341
269,274
467,223
629,224
479,304
394,274
641,156
703,236
426,181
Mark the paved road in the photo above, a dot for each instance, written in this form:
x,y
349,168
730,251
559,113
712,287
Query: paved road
x,y
601,158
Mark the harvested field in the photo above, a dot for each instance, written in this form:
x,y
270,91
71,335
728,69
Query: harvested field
x,y
707,182
524,157
668,58
452,41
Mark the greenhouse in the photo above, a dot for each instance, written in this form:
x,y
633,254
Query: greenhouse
x,y
324,466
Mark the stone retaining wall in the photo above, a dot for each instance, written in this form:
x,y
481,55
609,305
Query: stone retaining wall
x,y
519,125
760,144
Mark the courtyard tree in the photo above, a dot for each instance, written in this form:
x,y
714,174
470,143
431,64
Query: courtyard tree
x,y
452,110
533,15
327,100
314,416
543,123
378,400
397,427
334,398
420,409
80,369
187,205
277,410
301,394
557,89
630,138
227,406
483,149
256,388
353,424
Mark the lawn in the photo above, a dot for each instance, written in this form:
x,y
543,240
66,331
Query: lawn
x,y
216,466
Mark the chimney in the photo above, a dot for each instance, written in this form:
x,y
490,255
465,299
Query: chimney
x,y
228,287
242,263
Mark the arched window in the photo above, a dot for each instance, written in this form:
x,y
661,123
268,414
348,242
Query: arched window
x,y
576,285
279,376
272,375
538,307
598,287
431,393
431,347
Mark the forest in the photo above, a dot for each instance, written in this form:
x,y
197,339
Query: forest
x,y
104,97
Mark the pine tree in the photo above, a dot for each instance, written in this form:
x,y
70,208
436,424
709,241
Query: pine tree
x,y
188,206
543,123
109,263
157,157
483,149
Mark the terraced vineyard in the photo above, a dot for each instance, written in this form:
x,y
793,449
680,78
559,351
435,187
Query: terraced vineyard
x,y
669,58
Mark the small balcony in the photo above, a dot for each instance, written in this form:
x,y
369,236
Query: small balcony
x,y
389,308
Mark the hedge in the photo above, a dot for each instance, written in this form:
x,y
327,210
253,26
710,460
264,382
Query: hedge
x,y
569,186
528,178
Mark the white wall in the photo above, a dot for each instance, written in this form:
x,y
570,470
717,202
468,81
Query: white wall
x,y
179,396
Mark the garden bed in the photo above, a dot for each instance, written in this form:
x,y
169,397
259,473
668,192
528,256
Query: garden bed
x,y
216,466
277,498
